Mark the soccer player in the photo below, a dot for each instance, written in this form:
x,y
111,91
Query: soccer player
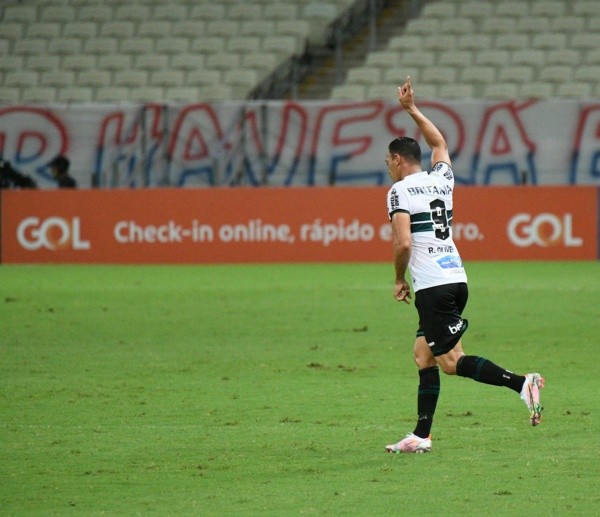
x,y
420,209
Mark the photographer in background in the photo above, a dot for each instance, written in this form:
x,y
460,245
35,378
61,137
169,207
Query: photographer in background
x,y
60,170
12,178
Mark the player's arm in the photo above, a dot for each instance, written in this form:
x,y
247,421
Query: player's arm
x,y
402,248
434,138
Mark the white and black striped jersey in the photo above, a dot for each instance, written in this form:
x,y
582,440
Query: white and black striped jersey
x,y
427,197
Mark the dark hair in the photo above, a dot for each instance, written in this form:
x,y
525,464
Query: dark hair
x,y
61,163
406,147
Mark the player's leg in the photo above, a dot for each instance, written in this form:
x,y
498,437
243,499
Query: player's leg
x,y
429,389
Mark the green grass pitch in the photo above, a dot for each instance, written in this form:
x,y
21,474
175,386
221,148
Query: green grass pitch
x,y
273,389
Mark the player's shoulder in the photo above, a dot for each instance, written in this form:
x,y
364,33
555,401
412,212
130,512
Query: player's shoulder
x,y
442,169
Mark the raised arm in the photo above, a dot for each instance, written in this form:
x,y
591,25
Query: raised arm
x,y
433,137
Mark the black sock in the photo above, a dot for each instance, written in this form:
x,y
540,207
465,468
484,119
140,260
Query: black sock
x,y
429,391
483,370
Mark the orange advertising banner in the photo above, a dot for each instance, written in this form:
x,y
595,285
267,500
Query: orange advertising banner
x,y
262,225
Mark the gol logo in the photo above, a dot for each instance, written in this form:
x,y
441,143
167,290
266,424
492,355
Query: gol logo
x,y
53,233
542,230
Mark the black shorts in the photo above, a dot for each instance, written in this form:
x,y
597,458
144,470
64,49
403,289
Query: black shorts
x,y
440,315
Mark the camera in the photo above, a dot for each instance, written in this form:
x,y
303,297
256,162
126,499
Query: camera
x,y
12,178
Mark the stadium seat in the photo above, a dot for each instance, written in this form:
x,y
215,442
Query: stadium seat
x,y
405,42
117,29
169,11
500,91
563,56
94,78
201,78
532,57
383,58
95,13
443,10
574,89
585,41
65,46
131,78
19,13
57,78
187,61
476,9
456,91
549,41
11,63
80,30
218,93
499,25
208,45
167,78
36,94
171,45
590,73
492,57
132,12
42,30
146,94
9,95
458,26
42,63
586,8
78,62
21,78
568,24
364,75
114,62
137,45
75,95
244,11
283,46
242,81
423,26
515,8
152,61
188,28
456,58
13,30
263,62
386,92
397,75
417,58
242,44
207,11
182,94
154,28
533,24
223,61
57,13
439,74
112,94
439,44
223,28
536,90
551,8
281,11
257,28
100,46
30,47
556,73
474,42
349,92
512,41
516,74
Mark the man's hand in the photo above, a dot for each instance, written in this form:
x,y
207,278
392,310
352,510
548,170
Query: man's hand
x,y
406,95
402,291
